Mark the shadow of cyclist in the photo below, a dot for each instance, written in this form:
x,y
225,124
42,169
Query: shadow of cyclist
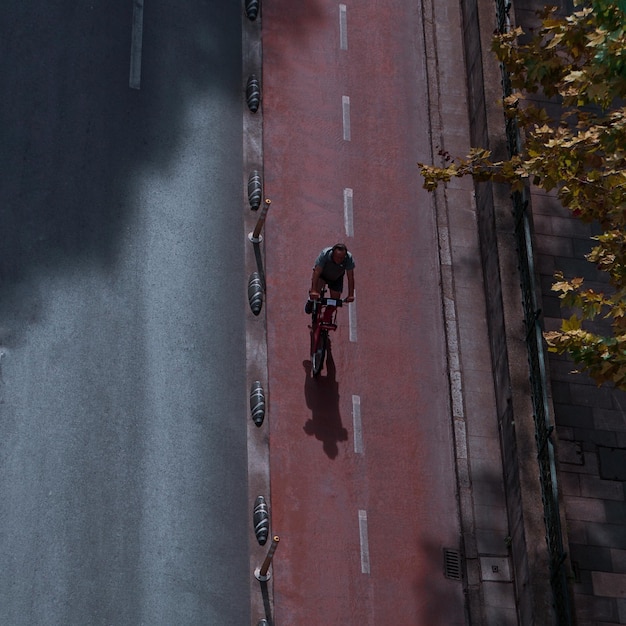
x,y
322,397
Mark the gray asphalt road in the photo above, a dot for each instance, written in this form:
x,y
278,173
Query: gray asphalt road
x,y
122,391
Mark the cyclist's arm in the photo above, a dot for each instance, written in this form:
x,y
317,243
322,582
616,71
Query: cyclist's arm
x,y
350,275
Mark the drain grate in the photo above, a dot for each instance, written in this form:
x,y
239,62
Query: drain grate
x,y
452,564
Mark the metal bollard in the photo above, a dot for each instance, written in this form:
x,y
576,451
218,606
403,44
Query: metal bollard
x,y
253,93
255,236
261,573
254,189
252,9
255,292
261,520
257,403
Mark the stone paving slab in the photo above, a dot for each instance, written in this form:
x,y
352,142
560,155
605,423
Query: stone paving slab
x,y
609,584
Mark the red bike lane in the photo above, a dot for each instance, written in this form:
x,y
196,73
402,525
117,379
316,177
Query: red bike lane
x,y
363,490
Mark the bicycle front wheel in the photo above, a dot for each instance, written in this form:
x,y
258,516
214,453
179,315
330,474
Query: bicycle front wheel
x,y
319,354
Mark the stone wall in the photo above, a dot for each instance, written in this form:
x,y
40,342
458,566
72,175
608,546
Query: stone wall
x,y
591,428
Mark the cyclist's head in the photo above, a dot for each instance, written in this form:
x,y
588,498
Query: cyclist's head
x,y
340,250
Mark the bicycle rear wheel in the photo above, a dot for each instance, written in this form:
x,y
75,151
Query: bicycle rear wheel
x,y
319,354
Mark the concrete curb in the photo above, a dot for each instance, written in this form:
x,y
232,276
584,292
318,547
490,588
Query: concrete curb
x,y
261,593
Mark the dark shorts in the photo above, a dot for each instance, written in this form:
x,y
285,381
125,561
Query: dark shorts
x,y
334,285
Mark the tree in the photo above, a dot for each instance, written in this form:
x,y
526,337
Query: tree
x,y
580,154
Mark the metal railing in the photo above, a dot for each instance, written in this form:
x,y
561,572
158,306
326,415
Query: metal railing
x,y
537,367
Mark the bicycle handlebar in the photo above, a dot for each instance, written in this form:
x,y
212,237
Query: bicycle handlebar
x,y
331,301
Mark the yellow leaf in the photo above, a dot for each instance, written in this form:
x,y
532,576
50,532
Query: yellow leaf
x,y
573,323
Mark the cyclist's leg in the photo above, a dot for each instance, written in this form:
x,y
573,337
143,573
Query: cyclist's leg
x,y
319,286
336,287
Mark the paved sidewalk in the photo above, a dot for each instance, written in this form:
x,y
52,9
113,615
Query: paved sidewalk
x,y
480,413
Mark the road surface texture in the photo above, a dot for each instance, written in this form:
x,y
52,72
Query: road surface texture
x,y
362,460
123,493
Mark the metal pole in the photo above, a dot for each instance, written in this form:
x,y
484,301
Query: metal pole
x,y
261,573
255,237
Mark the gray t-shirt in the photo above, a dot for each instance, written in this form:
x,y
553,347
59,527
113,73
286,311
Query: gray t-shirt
x,y
331,270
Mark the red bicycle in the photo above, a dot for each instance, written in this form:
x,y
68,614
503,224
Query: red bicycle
x,y
323,319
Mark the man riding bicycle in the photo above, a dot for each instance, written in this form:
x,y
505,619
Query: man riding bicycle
x,y
330,267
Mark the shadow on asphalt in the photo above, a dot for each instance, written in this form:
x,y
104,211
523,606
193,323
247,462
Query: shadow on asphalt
x,y
441,600
322,398
75,138
78,150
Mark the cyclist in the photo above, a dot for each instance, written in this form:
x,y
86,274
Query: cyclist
x,y
330,267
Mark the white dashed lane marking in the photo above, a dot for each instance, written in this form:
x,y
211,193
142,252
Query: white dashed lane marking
x,y
348,213
357,425
365,550
352,319
343,27
345,106
134,80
